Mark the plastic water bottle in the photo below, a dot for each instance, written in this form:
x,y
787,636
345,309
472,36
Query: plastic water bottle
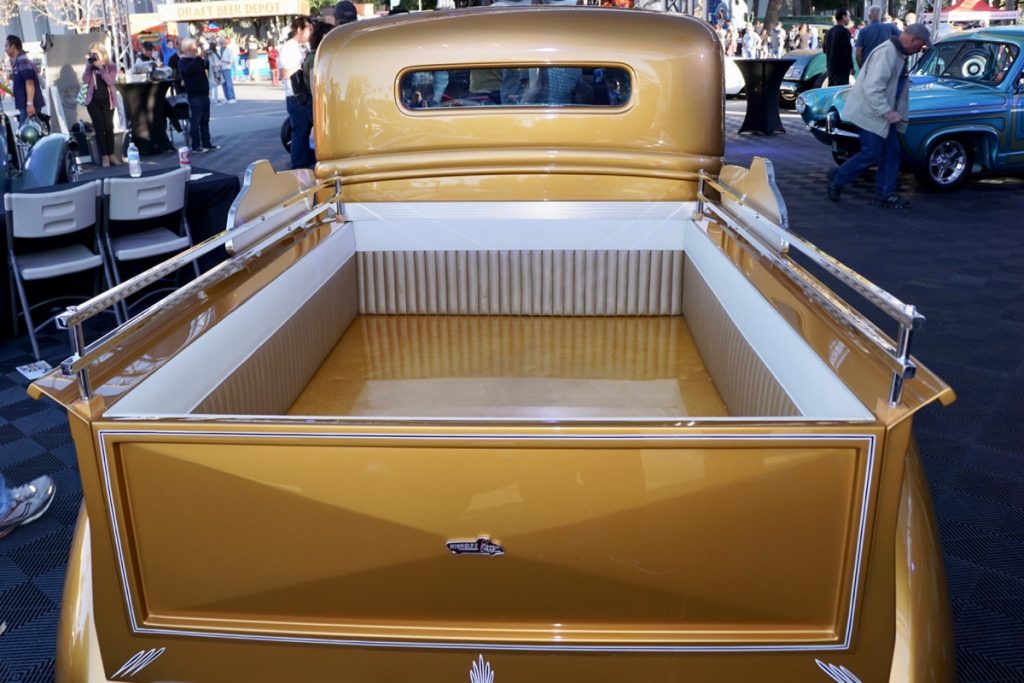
x,y
134,163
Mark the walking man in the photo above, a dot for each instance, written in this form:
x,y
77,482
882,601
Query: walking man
x,y
878,106
193,69
874,34
28,93
839,49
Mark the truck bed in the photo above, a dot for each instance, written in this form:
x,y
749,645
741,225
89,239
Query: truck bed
x,y
512,366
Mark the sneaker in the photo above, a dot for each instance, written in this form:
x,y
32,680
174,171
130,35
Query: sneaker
x,y
834,191
893,201
198,150
28,503
211,148
232,101
218,104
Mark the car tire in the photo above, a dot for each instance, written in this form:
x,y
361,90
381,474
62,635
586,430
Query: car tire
x,y
947,165
286,135
69,171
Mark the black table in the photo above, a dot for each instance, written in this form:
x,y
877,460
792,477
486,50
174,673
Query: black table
x,y
763,78
145,106
208,201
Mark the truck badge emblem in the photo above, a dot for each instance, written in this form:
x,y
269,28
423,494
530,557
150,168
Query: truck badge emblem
x,y
837,673
481,546
139,661
481,672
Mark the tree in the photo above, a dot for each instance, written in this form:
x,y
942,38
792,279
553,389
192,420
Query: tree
x,y
77,15
771,15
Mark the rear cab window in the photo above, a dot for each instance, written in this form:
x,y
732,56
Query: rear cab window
x,y
516,86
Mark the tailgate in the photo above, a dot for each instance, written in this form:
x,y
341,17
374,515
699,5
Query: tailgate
x,y
664,539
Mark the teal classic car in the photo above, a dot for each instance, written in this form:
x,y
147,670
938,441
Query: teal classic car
x,y
966,110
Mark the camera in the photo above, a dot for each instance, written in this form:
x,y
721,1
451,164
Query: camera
x,y
93,57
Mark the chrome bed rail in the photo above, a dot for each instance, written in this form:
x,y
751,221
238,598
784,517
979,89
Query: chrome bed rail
x,y
896,355
83,355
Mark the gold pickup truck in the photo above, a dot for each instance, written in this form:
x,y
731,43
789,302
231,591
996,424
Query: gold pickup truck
x,y
523,384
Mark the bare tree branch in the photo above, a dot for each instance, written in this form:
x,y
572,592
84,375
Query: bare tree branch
x,y
77,15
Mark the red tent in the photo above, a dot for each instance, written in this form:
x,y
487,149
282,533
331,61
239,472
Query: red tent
x,y
975,10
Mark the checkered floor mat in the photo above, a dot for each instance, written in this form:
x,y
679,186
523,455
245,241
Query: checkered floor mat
x,y
959,257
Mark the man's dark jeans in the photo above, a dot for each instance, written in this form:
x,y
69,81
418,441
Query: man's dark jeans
x,y
874,149
301,118
200,106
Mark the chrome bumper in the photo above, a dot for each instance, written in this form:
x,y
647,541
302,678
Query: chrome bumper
x,y
830,126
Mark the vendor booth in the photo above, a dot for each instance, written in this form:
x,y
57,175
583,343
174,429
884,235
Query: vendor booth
x,y
974,10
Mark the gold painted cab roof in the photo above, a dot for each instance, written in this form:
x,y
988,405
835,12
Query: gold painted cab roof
x,y
649,149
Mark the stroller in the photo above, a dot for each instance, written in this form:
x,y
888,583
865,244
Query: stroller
x,y
179,118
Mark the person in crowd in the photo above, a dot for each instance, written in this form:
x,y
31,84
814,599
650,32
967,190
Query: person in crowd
x,y
252,48
874,34
803,37
815,38
777,41
23,504
168,47
173,62
750,42
764,45
290,60
28,92
101,99
212,56
878,106
194,68
345,13
275,77
731,42
838,49
793,37
228,56
147,57
302,82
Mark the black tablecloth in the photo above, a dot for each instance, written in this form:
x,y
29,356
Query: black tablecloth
x,y
145,107
207,204
763,78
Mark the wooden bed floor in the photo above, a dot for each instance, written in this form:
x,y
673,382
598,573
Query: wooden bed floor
x,y
510,366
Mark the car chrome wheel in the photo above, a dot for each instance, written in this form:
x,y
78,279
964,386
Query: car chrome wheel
x,y
947,163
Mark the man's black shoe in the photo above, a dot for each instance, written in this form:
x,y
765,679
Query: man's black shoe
x,y
893,201
198,150
212,148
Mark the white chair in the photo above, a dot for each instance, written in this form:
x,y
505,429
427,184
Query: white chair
x,y
148,198
35,216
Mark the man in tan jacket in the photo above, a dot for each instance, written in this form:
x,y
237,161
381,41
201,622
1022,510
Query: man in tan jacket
x,y
878,104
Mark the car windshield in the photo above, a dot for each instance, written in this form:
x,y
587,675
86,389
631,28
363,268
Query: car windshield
x,y
977,61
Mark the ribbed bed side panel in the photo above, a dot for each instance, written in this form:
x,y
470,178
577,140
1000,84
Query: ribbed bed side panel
x,y
744,382
270,380
538,282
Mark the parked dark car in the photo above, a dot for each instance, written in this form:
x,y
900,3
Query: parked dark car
x,y
808,72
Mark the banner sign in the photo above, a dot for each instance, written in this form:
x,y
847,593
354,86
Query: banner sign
x,y
231,9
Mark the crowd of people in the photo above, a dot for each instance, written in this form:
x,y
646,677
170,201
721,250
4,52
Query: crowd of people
x,y
758,41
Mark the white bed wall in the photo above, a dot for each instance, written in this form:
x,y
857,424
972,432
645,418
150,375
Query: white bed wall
x,y
811,389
